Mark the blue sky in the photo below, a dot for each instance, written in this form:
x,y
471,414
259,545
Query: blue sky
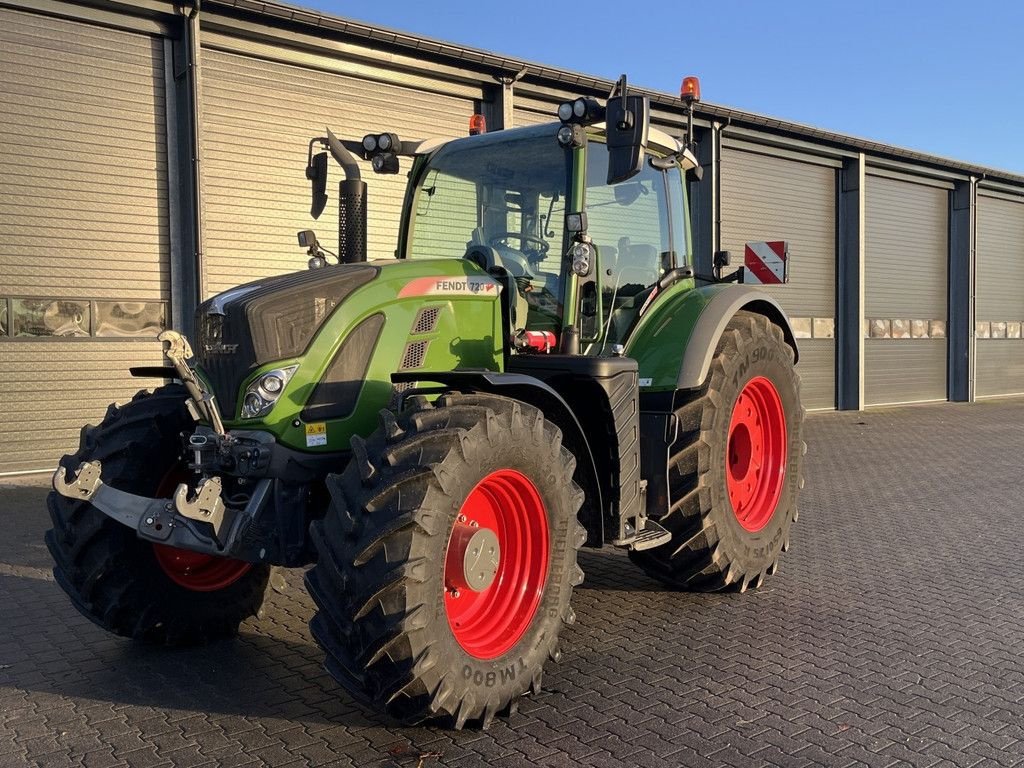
x,y
941,77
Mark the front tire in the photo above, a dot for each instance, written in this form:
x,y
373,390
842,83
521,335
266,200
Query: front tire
x,y
130,587
414,617
735,469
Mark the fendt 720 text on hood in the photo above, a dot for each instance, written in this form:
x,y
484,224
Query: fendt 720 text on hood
x,y
540,369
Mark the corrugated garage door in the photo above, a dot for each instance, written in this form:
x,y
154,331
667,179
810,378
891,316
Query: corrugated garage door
x,y
1000,296
771,197
906,258
257,119
530,110
83,227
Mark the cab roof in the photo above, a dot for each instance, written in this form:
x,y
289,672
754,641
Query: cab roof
x,y
657,139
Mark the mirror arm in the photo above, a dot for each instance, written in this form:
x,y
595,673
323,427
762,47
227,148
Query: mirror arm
x,y
735,277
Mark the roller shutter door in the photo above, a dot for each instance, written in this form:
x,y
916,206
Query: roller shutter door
x,y
905,291
1000,296
531,110
767,197
83,227
257,119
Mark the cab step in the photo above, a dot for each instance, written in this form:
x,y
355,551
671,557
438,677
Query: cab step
x,y
650,536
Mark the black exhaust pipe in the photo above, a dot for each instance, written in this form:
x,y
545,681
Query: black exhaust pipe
x,y
352,221
351,203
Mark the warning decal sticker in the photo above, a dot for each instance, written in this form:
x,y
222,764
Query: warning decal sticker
x,y
316,434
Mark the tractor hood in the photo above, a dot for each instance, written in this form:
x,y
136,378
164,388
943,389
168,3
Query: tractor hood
x,y
335,335
267,320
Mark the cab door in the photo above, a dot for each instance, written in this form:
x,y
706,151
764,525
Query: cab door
x,y
638,228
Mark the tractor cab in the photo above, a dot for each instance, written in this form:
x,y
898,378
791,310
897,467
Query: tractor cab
x,y
583,222
514,202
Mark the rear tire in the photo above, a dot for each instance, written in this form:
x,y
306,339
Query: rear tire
x,y
397,637
735,469
116,579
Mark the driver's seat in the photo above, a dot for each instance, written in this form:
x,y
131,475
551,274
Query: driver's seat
x,y
488,259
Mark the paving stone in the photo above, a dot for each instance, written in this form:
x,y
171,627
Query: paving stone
x,y
892,635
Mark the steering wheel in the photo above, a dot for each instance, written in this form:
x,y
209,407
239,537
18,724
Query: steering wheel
x,y
541,244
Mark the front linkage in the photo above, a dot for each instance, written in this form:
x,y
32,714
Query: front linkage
x,y
208,520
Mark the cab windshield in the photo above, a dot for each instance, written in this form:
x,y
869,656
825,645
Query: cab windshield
x,y
504,190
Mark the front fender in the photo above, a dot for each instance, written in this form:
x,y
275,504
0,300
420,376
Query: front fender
x,y
675,341
531,390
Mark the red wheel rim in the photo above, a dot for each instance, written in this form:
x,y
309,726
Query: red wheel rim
x,y
756,453
196,571
505,508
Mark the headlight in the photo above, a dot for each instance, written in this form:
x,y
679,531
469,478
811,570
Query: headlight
x,y
264,391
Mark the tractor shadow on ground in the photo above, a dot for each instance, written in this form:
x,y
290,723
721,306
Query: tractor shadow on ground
x,y
273,670
611,569
257,674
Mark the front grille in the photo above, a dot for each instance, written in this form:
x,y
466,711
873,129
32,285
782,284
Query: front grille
x,y
225,354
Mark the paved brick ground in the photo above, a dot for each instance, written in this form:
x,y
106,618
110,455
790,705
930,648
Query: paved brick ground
x,y
893,635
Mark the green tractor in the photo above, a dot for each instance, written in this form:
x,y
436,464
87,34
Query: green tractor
x,y
540,369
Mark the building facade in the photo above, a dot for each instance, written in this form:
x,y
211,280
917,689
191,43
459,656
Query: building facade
x,y
152,154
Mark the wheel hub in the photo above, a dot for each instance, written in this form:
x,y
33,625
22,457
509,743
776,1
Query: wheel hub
x,y
474,555
756,453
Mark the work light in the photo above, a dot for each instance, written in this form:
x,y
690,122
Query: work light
x,y
386,142
581,253
584,110
385,163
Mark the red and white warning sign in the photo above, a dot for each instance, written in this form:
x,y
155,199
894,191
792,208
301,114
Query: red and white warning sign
x,y
766,263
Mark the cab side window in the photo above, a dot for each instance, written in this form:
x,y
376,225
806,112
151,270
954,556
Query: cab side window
x,y
445,216
627,221
629,225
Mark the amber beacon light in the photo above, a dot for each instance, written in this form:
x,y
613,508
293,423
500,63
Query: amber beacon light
x,y
689,91
477,125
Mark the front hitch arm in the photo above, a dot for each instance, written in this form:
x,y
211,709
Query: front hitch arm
x,y
162,520
178,351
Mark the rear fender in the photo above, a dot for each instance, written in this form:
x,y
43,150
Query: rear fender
x,y
676,340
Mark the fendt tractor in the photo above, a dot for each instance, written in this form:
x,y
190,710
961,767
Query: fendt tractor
x,y
437,434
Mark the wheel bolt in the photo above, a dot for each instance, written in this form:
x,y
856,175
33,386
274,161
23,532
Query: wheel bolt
x,y
474,524
462,518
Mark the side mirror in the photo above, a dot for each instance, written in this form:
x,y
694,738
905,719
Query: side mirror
x,y
316,172
627,120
